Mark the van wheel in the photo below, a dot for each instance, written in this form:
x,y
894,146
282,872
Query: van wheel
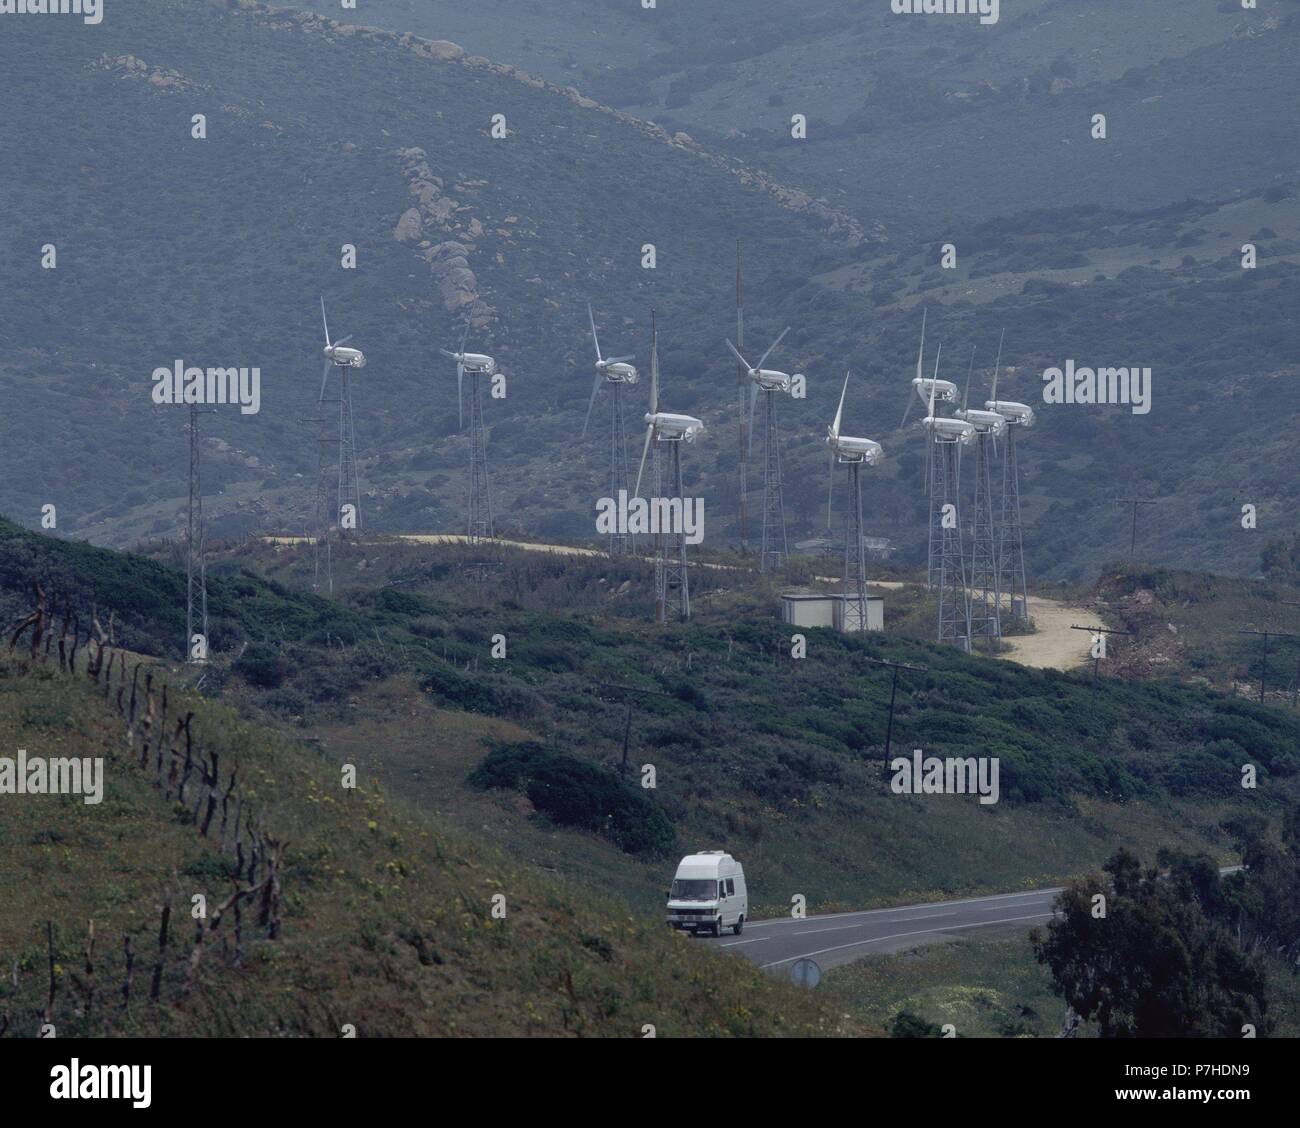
x,y
740,924
717,927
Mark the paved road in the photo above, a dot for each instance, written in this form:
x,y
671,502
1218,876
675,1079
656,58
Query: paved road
x,y
840,938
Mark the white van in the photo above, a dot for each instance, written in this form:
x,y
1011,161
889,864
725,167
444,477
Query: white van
x,y
708,894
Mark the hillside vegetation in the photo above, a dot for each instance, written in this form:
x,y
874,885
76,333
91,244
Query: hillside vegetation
x,y
387,925
781,759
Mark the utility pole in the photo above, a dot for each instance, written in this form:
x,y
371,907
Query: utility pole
x,y
1263,665
1134,502
629,691
893,694
196,597
1095,632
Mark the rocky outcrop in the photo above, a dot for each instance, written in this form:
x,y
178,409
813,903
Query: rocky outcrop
x,y
436,211
129,67
838,225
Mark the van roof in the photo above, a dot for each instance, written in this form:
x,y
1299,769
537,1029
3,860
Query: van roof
x,y
707,861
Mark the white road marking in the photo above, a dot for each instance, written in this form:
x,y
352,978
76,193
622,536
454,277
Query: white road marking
x,y
902,935
737,943
903,908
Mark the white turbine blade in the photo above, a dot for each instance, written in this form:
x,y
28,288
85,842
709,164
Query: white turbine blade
x,y
460,394
464,336
753,399
591,403
345,340
965,401
649,438
839,414
907,410
771,347
594,339
619,359
325,375
736,353
934,382
654,366
997,364
920,354
324,321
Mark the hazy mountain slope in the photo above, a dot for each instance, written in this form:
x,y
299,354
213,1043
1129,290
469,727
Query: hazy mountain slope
x,y
925,118
214,252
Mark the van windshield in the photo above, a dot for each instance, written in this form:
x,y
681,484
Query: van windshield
x,y
694,889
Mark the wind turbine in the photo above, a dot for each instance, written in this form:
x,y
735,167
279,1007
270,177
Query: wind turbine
x,y
478,365
670,546
616,374
853,453
986,610
1010,544
946,436
770,382
347,510
929,390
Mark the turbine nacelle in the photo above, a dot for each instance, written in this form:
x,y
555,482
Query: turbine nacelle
x,y
985,422
943,391
674,428
769,380
847,448
945,429
481,363
764,379
342,357
617,371
1016,414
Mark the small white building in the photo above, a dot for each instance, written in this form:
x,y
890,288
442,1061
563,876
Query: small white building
x,y
826,609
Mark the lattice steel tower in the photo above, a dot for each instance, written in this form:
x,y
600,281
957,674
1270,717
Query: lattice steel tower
x,y
854,453
1010,562
672,579
985,609
480,491
614,373
1011,545
620,543
855,564
948,561
349,492
775,548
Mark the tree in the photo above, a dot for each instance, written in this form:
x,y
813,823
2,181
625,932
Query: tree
x,y
1159,961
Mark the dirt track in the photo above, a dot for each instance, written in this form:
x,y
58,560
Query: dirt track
x,y
1053,646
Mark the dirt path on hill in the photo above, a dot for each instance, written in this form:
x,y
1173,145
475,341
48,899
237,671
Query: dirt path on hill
x,y
1054,645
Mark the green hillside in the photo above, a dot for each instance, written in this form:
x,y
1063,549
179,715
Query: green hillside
x,y
386,923
782,758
